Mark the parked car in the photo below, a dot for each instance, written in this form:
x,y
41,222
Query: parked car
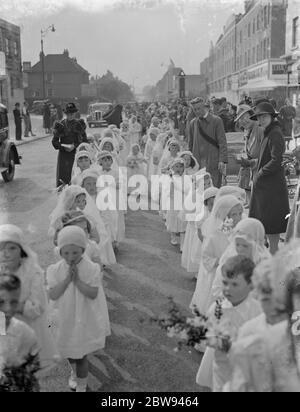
x,y
8,152
96,111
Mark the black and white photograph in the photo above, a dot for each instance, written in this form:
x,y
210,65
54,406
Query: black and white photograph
x,y
149,198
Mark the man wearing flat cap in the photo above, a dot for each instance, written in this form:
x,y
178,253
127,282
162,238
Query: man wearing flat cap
x,y
207,141
68,135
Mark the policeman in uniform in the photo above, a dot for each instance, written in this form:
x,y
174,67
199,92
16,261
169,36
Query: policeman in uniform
x,y
68,135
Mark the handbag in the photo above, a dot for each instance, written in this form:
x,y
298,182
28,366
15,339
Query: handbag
x,y
206,136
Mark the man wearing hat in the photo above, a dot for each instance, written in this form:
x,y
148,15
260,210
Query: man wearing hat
x,y
253,136
68,135
269,200
207,141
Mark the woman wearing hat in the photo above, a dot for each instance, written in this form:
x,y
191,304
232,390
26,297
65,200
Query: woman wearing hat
x,y
253,135
68,135
269,200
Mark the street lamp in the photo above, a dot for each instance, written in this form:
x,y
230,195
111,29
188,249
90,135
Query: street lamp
x,y
43,35
182,85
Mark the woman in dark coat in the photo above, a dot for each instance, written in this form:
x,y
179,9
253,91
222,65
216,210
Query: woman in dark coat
x,y
68,135
114,116
269,200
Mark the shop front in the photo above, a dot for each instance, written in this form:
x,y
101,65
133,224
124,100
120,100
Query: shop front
x,y
267,79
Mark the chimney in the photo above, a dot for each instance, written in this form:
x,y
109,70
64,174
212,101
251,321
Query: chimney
x,y
66,52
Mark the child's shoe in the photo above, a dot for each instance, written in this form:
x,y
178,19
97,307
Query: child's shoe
x,y
81,385
73,381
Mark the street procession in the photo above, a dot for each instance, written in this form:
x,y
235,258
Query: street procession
x,y
150,229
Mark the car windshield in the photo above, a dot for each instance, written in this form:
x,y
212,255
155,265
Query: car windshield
x,y
100,107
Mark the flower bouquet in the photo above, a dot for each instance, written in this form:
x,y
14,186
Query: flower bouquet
x,y
20,378
189,332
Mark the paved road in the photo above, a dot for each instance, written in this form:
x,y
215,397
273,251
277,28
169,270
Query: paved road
x,y
138,356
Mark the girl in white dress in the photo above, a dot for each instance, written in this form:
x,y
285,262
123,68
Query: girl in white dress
x,y
20,260
226,214
174,224
75,286
171,152
191,163
157,154
248,240
89,183
136,163
135,130
153,132
107,144
113,217
191,254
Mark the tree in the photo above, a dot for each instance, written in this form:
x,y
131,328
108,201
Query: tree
x,y
112,89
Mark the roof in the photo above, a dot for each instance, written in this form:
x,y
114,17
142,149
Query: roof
x,y
59,63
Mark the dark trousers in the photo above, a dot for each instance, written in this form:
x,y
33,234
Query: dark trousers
x,y
18,130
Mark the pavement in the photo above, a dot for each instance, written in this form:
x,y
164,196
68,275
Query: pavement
x,y
138,356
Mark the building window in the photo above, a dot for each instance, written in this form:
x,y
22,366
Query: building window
x,y
295,32
241,36
253,55
50,93
257,54
249,30
49,77
7,47
265,16
36,93
253,26
16,51
257,23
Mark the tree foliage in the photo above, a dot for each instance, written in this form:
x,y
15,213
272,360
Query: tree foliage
x,y
111,88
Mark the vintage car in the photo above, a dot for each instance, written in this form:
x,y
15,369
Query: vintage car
x,y
8,152
96,112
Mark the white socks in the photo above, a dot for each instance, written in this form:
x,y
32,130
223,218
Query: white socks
x,y
81,384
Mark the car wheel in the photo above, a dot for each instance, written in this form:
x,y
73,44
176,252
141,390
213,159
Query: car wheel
x,y
9,174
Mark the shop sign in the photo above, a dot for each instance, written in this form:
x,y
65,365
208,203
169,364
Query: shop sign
x,y
279,69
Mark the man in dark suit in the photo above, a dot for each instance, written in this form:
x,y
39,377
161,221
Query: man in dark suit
x,y
18,121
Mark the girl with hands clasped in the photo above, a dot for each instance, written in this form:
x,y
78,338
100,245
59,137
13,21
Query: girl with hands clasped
x,y
82,322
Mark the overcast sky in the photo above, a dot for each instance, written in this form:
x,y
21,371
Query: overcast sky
x,y
133,38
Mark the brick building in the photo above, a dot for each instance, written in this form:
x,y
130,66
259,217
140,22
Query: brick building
x,y
64,78
247,56
292,49
11,78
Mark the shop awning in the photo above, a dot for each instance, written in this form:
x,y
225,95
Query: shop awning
x,y
262,85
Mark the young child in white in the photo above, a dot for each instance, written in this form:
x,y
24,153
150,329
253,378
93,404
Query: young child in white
x,y
19,342
113,217
89,183
216,240
248,239
19,259
135,162
191,163
238,308
157,154
191,254
174,224
171,152
75,285
82,162
151,141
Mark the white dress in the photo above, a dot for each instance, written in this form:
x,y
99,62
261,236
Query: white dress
x,y
36,312
261,361
19,342
215,363
83,323
213,248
